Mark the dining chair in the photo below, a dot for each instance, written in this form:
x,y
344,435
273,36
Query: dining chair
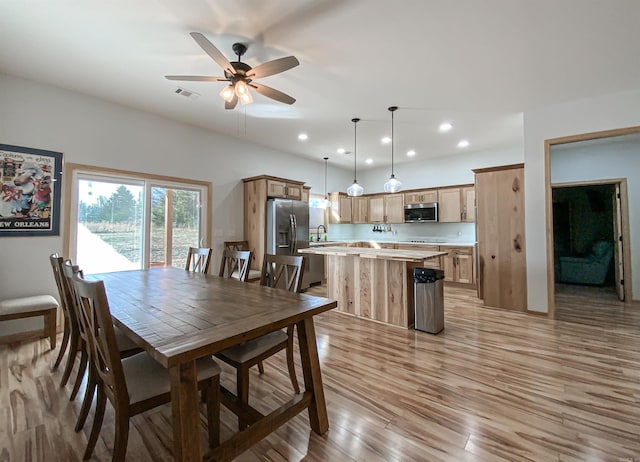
x,y
79,343
70,330
278,271
135,384
253,275
198,259
235,264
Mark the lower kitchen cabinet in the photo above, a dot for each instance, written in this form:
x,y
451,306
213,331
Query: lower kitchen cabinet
x,y
458,264
434,263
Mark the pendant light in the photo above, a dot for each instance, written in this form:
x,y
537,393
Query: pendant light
x,y
393,184
327,202
355,189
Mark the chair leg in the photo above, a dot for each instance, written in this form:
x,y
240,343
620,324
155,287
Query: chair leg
x,y
291,365
101,403
242,391
63,347
261,367
50,327
121,436
87,400
84,359
74,346
212,394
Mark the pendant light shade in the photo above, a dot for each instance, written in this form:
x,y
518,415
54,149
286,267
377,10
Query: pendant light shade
x,y
355,189
393,184
327,202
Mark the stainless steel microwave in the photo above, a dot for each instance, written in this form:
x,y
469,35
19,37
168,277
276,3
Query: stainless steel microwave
x,y
421,213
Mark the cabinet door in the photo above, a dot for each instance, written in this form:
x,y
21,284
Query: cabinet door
x,y
428,196
359,210
305,194
464,268
413,198
376,209
469,204
293,191
345,209
449,205
448,267
394,208
276,188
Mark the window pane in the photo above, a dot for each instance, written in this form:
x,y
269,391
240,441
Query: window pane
x,y
175,225
110,231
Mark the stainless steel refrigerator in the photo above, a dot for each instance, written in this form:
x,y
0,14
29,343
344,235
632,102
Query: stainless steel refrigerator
x,y
288,229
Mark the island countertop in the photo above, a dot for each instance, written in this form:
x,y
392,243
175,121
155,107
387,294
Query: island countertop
x,y
415,256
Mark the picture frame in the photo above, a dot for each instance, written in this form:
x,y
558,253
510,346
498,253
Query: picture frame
x,y
30,190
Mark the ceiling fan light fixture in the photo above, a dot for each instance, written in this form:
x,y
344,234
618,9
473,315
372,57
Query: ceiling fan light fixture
x,y
227,93
246,98
355,189
392,185
241,88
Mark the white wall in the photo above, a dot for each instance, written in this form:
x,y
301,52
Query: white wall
x,y
618,158
437,171
583,116
90,131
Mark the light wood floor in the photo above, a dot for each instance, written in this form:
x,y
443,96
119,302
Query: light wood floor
x,y
493,386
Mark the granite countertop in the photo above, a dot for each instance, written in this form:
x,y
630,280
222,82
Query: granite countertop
x,y
417,256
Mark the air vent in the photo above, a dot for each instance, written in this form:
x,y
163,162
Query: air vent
x,y
187,93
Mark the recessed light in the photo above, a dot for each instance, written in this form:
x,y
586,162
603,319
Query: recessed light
x,y
386,140
341,150
411,153
303,137
368,161
463,144
445,127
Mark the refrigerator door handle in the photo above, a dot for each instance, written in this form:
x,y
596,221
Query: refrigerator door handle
x,y
295,235
292,233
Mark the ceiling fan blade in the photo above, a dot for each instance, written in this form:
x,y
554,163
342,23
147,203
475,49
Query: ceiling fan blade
x,y
272,93
273,67
196,78
212,51
231,104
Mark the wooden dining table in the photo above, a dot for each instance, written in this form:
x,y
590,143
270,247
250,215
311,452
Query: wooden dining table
x,y
179,316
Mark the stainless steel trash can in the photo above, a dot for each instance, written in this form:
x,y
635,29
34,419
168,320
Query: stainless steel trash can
x,y
428,299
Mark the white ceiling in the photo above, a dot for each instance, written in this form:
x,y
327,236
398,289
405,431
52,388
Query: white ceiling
x,y
476,63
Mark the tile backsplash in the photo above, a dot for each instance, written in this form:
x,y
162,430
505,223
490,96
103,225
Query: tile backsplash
x,y
463,233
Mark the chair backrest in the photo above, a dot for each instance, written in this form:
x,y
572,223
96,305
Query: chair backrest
x,y
95,316
283,271
198,259
236,245
235,261
56,264
68,271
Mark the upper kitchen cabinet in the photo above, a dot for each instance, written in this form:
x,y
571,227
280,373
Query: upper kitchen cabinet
x,y
360,210
305,193
423,196
386,208
340,211
502,271
282,188
456,204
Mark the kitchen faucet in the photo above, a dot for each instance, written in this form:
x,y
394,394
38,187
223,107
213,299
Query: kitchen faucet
x,y
318,231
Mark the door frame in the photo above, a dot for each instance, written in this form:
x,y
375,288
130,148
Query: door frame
x,y
621,185
548,144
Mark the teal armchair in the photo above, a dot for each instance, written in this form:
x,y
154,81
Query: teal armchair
x,y
591,269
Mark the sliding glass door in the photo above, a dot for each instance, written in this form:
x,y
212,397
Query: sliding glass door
x,y
120,223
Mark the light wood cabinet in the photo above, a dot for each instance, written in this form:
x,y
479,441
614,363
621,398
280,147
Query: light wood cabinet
x,y
284,189
457,204
360,210
502,272
387,208
434,263
305,193
256,192
449,206
340,211
423,196
468,194
458,264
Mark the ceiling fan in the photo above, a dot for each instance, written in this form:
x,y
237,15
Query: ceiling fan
x,y
240,75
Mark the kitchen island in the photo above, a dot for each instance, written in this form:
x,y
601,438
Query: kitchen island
x,y
375,284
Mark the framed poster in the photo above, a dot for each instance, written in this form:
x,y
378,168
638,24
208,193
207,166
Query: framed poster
x,y
30,182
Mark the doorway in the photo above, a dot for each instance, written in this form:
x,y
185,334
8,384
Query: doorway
x,y
587,240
